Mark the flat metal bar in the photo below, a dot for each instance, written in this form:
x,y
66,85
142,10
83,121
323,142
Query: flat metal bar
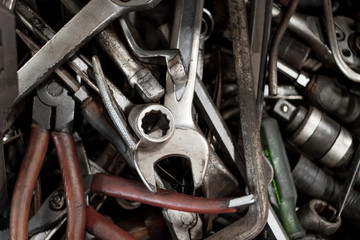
x,y
71,38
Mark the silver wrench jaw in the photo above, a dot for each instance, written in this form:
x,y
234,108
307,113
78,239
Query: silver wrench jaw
x,y
173,58
147,85
78,31
186,143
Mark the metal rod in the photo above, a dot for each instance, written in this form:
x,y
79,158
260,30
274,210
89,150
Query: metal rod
x,y
349,182
254,221
279,33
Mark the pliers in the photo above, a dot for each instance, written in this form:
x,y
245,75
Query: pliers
x,y
52,102
53,112
101,183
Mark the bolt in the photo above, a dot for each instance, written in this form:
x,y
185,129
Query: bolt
x,y
57,201
284,108
54,89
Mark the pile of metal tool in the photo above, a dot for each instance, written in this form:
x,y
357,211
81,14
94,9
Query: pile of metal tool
x,y
150,119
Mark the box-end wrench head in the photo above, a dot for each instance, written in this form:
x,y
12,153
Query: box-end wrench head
x,y
91,19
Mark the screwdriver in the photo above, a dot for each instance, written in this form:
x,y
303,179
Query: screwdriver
x,y
284,186
325,93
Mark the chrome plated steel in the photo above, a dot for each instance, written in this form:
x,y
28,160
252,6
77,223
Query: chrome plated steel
x,y
71,38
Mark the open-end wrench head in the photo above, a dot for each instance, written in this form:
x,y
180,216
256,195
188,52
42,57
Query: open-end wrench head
x,y
78,31
186,143
147,85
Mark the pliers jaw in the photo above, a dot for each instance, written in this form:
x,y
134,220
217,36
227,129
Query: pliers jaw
x,y
53,108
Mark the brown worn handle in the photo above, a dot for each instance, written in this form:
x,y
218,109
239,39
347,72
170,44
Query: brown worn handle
x,y
136,191
25,182
74,190
103,228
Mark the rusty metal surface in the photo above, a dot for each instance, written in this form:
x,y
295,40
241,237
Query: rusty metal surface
x,y
320,217
257,178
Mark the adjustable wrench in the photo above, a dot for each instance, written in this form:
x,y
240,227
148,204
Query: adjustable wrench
x,y
72,37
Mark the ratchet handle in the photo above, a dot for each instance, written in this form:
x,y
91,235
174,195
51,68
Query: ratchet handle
x,y
328,95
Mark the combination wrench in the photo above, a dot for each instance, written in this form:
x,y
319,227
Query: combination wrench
x,y
72,37
197,150
174,73
139,76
